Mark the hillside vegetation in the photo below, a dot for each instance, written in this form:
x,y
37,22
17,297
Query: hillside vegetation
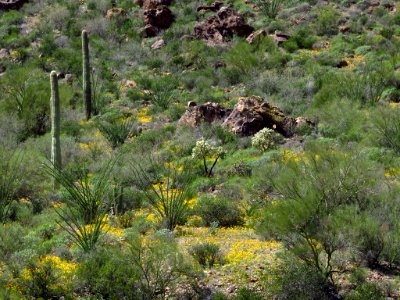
x,y
244,149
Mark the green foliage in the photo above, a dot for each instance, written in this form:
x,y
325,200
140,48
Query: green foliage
x,y
265,139
206,254
214,209
319,194
10,180
160,263
116,132
166,187
387,128
368,290
327,21
269,8
205,151
86,206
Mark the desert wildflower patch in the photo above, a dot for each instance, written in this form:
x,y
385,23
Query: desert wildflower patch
x,y
246,257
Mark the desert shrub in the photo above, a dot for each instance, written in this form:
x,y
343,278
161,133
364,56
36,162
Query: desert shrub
x,y
214,209
205,151
165,186
160,263
83,216
10,179
11,239
56,16
327,21
206,254
106,272
367,290
164,91
269,8
116,132
387,128
265,139
295,279
240,168
322,193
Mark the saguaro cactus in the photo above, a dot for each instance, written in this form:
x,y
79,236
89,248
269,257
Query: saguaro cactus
x,y
55,121
87,87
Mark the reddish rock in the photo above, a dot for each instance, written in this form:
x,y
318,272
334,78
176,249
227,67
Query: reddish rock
x,y
161,17
149,31
153,4
280,37
11,4
250,115
222,26
204,113
213,7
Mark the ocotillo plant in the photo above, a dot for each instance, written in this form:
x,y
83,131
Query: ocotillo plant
x,y
55,121
87,87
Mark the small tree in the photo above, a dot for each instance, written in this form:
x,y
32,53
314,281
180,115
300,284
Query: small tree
x,y
321,196
204,151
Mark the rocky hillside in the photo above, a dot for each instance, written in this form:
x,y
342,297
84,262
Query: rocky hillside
x,y
165,149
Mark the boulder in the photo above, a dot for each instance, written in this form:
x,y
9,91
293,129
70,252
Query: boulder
x,y
11,4
280,37
213,7
156,20
209,112
256,36
223,25
250,115
153,4
4,53
115,13
158,44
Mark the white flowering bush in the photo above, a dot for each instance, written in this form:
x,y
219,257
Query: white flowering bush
x,y
265,139
205,151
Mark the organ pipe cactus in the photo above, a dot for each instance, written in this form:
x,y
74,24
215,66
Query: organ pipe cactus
x,y
87,88
55,121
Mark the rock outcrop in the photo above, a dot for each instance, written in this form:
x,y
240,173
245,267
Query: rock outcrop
x,y
209,112
153,4
223,25
157,19
213,7
250,115
11,4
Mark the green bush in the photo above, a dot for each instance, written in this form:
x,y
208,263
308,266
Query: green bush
x,y
319,198
10,180
269,8
386,123
265,139
206,254
368,290
213,209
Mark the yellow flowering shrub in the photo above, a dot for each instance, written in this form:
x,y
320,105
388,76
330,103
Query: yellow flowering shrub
x,y
143,115
48,276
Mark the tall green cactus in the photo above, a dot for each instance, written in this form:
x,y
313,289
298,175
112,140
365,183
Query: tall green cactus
x,y
87,87
55,121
